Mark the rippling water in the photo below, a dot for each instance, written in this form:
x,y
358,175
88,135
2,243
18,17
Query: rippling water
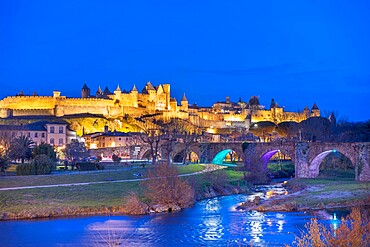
x,y
212,222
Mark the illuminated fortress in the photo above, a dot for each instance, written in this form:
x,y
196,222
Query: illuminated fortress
x,y
149,101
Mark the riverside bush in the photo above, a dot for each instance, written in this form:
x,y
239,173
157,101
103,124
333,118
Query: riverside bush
x,y
40,165
26,169
89,166
353,231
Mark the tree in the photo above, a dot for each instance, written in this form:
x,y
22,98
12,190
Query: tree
x,y
76,151
4,161
152,134
21,148
178,130
263,130
116,159
46,149
354,230
43,164
165,187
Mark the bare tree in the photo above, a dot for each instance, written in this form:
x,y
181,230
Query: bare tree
x,y
189,136
167,188
152,134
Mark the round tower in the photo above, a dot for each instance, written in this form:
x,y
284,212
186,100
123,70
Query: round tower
x,y
85,92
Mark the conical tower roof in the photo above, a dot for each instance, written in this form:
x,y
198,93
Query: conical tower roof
x,y
184,98
106,91
149,86
118,89
99,90
134,89
85,86
314,107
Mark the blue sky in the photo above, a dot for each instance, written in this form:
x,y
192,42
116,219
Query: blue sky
x,y
297,52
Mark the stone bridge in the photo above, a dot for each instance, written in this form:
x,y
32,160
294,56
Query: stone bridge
x,y
306,156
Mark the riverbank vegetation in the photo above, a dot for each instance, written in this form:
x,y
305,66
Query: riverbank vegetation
x,y
354,230
103,198
332,189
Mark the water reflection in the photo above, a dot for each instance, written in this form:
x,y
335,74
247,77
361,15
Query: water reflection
x,y
211,222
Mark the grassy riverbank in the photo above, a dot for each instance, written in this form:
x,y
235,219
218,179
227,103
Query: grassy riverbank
x,y
332,189
108,197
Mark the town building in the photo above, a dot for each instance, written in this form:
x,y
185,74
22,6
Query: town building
x,y
56,134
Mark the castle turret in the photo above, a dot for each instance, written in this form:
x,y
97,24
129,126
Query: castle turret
x,y
107,92
117,93
333,120
272,104
166,90
85,92
315,112
306,112
184,103
134,94
99,93
173,103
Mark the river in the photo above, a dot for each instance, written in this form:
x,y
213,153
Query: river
x,y
211,222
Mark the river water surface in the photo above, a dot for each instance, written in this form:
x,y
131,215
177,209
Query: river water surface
x,y
211,222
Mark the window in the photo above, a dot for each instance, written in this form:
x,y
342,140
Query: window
x,y
43,135
61,129
119,138
36,134
51,141
52,129
60,141
29,134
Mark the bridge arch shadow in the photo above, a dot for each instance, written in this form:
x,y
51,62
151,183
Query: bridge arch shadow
x,y
226,157
146,155
316,165
277,155
191,156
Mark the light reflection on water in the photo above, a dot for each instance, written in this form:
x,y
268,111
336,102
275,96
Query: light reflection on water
x,y
212,222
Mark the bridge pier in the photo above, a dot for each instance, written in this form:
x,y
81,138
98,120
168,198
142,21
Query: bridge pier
x,y
302,162
362,163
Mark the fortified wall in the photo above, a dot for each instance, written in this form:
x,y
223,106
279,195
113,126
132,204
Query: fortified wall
x,y
216,119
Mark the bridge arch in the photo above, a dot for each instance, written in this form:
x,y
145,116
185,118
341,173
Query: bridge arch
x,y
145,154
316,162
266,157
226,154
191,156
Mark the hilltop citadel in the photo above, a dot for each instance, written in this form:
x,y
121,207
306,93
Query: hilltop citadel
x,y
151,100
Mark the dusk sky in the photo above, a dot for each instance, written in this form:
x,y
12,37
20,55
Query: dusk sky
x,y
297,52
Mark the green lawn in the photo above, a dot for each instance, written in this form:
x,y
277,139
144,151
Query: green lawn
x,y
87,196
81,177
332,187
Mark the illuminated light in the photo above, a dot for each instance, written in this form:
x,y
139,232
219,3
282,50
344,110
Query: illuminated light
x,y
93,146
285,182
113,144
269,194
334,151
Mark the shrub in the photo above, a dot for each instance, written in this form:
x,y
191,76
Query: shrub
x,y
43,164
86,166
166,187
134,205
26,169
40,165
354,231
